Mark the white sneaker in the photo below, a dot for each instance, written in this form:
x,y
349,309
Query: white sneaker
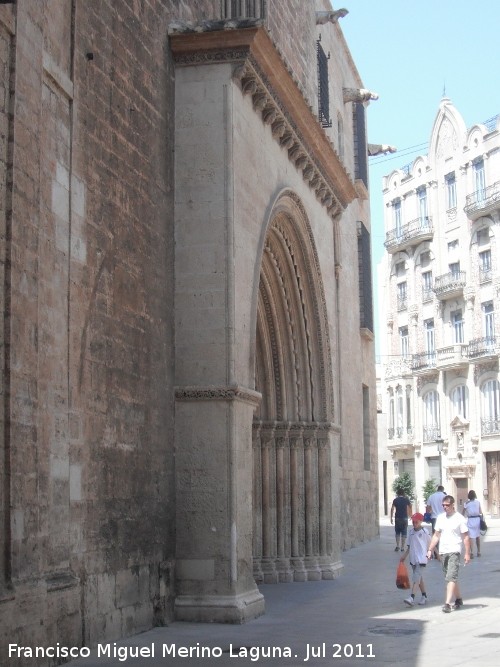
x,y
422,601
410,601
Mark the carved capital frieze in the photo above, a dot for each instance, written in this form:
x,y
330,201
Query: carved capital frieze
x,y
281,442
217,393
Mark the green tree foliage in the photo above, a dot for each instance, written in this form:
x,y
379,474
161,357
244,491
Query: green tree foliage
x,y
405,482
429,487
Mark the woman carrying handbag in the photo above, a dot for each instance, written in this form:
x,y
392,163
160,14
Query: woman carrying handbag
x,y
474,513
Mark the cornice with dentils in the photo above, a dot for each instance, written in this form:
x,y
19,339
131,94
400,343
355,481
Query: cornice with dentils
x,y
262,73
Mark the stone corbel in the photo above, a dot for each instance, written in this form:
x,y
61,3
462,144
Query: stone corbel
x,y
259,100
278,128
284,133
269,114
286,140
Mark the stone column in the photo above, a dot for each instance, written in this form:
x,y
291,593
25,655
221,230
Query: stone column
x,y
283,505
311,506
257,505
297,505
214,506
329,563
324,465
214,405
269,542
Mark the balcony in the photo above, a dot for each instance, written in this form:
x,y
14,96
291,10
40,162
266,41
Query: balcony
x,y
423,363
431,434
452,357
415,231
483,349
449,285
398,368
402,302
400,433
482,202
485,274
490,426
427,294
400,439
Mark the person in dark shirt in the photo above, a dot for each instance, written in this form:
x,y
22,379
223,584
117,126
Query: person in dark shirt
x,y
400,513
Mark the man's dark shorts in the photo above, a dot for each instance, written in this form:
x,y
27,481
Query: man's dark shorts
x,y
401,527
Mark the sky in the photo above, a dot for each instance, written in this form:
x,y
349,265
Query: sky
x,y
410,52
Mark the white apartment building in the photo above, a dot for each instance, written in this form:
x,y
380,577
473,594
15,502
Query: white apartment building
x,y
440,306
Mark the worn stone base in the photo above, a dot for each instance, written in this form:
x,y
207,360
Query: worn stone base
x,y
330,569
220,608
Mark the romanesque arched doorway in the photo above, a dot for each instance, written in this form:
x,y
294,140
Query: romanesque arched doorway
x,y
291,430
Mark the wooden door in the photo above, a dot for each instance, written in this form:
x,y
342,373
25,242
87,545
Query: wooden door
x,y
462,487
492,470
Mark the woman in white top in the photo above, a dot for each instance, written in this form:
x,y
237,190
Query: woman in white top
x,y
473,512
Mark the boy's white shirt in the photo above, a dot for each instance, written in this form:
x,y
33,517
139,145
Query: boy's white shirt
x,y
418,544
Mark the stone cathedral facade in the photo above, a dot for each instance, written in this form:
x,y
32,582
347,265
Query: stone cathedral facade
x,y
188,385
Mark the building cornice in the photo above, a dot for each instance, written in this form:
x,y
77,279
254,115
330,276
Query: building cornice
x,y
261,72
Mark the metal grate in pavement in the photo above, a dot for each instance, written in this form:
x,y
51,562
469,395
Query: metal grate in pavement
x,y
390,630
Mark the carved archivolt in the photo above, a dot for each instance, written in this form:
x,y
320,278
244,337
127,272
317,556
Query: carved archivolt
x,y
294,352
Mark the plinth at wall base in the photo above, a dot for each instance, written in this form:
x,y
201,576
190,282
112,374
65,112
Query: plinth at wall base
x,y
269,571
220,608
330,569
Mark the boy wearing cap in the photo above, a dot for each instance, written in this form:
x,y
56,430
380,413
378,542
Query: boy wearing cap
x,y
417,546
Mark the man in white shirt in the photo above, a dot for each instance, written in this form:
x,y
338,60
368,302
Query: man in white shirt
x,y
450,531
434,504
435,508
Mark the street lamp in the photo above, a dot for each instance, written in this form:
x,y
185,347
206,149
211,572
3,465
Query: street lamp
x,y
439,442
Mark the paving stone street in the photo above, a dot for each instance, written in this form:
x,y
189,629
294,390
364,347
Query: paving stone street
x,y
357,619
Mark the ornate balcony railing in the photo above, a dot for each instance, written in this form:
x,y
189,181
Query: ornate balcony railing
x,y
402,302
482,201
239,9
398,367
423,361
490,426
483,347
427,294
485,275
404,435
449,284
416,230
431,433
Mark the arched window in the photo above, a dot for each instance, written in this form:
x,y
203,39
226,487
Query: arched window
x,y
431,420
391,418
460,401
400,411
490,407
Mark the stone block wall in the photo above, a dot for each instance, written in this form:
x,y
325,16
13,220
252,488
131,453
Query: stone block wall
x,y
87,461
